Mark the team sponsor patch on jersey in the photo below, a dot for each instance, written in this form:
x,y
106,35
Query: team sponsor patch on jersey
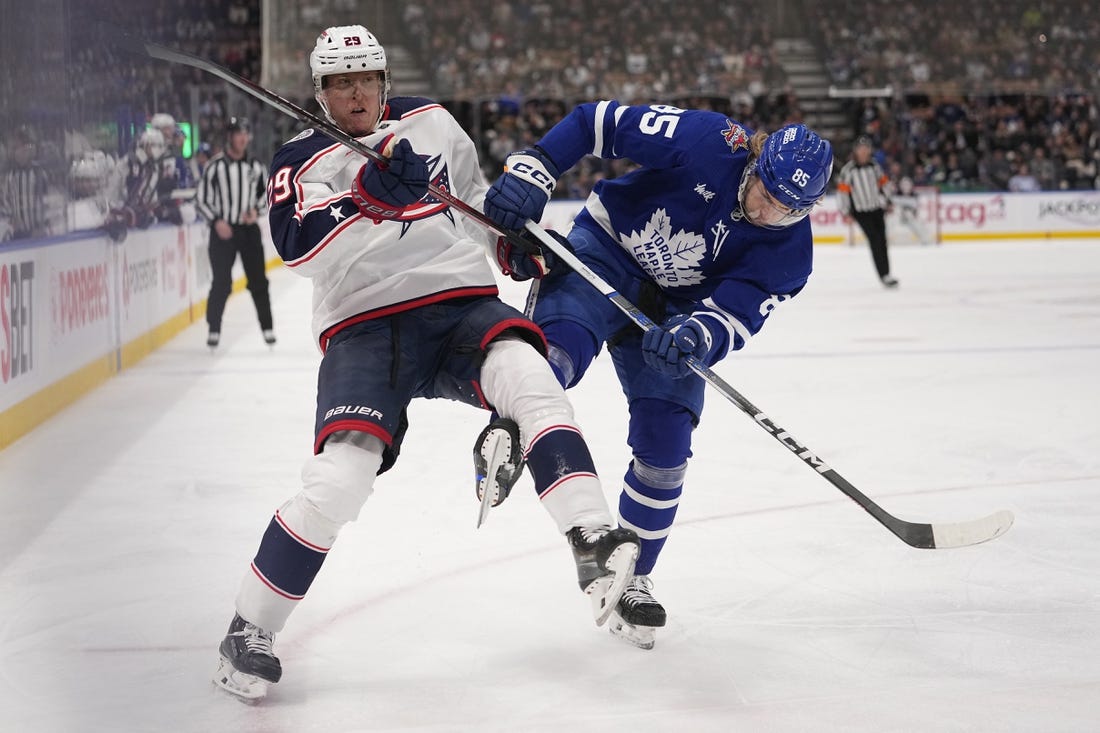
x,y
735,136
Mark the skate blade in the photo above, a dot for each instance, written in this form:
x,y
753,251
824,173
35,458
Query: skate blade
x,y
643,637
489,498
491,486
245,687
606,591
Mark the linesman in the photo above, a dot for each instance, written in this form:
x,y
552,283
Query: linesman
x,y
230,196
860,195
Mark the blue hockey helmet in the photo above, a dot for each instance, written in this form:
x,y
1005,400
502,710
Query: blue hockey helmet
x,y
794,166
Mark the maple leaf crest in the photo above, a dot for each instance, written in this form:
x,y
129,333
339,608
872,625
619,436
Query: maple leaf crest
x,y
672,260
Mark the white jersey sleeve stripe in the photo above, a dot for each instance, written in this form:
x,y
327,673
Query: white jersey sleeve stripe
x,y
733,326
619,112
597,123
317,206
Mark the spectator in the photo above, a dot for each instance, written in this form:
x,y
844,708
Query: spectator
x,y
89,206
1022,181
142,178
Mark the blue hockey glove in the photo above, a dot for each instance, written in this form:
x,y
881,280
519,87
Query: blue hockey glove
x,y
383,190
532,261
666,348
522,190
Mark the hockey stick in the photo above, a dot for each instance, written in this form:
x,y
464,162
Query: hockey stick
x,y
928,536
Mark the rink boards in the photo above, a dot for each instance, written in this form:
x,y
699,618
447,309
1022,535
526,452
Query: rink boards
x,y
75,310
78,309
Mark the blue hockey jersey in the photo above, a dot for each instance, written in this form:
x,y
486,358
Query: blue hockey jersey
x,y
678,218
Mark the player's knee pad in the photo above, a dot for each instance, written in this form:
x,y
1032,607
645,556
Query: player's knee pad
x,y
518,383
650,498
663,479
572,347
337,481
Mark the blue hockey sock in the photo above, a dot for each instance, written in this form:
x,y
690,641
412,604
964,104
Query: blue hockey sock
x,y
648,506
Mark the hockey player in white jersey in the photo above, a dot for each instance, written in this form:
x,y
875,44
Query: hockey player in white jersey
x,y
405,305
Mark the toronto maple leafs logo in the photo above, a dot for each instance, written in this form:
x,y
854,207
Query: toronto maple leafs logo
x,y
735,136
672,260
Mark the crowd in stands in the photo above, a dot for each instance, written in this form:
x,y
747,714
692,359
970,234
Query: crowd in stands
x,y
999,95
510,70
999,142
572,49
1019,46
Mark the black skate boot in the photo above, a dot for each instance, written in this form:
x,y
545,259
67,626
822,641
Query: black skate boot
x,y
498,463
605,563
638,615
247,661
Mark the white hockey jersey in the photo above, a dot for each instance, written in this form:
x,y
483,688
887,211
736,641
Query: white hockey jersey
x,y
363,268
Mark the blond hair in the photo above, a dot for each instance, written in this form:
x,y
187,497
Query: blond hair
x,y
756,144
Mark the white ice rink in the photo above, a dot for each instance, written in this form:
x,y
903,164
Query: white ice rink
x,y
127,520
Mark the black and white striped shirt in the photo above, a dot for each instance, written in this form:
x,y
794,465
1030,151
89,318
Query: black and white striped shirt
x,y
230,187
860,188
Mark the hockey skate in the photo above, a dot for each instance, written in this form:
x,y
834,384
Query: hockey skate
x,y
247,663
498,464
605,564
638,615
213,339
269,337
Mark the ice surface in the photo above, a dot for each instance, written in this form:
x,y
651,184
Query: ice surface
x,y
127,520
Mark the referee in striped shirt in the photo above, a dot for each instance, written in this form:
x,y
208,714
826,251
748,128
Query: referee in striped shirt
x,y
861,196
23,189
230,196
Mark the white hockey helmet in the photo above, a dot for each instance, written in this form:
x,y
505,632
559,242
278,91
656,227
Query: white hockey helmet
x,y
152,142
162,120
344,49
93,165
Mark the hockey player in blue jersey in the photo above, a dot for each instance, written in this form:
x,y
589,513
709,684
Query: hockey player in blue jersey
x,y
405,305
707,237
